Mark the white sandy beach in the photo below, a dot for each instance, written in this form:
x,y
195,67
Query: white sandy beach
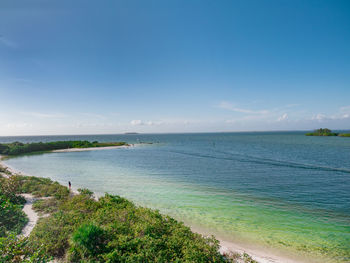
x,y
92,149
261,255
257,254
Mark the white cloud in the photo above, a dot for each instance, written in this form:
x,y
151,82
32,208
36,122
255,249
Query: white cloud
x,y
231,107
343,113
168,122
283,117
144,123
136,122
43,115
18,125
319,117
94,125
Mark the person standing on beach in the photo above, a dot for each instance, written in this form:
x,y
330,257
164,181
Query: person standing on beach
x,y
70,185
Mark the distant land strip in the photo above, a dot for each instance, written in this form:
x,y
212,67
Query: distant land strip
x,y
18,148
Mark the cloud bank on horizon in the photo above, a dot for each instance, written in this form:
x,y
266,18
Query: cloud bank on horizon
x,y
183,66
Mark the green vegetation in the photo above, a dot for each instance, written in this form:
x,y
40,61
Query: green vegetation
x,y
344,135
113,229
42,187
19,250
322,132
326,132
17,148
80,228
12,218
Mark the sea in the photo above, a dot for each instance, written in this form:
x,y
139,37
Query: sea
x,y
279,190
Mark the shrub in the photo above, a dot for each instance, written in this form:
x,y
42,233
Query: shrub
x,y
46,206
10,187
120,232
12,217
88,241
82,229
85,191
42,187
18,250
3,149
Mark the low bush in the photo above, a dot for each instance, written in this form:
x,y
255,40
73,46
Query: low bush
x,y
10,187
46,206
19,250
113,229
85,191
12,218
41,187
88,243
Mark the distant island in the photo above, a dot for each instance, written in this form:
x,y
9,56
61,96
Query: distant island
x,y
130,133
326,132
18,148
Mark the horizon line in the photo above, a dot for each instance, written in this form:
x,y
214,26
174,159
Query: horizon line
x,y
149,133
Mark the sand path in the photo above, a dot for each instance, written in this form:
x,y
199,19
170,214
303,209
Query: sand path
x,y
31,214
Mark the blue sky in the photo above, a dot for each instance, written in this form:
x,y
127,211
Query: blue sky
x,y
80,67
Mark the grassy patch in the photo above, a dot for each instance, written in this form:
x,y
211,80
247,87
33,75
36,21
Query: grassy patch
x,y
46,206
42,187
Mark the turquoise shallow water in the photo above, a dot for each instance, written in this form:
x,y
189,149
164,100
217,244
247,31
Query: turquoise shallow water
x,y
281,190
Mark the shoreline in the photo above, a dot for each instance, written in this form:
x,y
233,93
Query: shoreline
x,y
92,149
258,254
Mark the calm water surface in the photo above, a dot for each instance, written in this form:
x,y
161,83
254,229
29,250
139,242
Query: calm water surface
x,y
282,190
